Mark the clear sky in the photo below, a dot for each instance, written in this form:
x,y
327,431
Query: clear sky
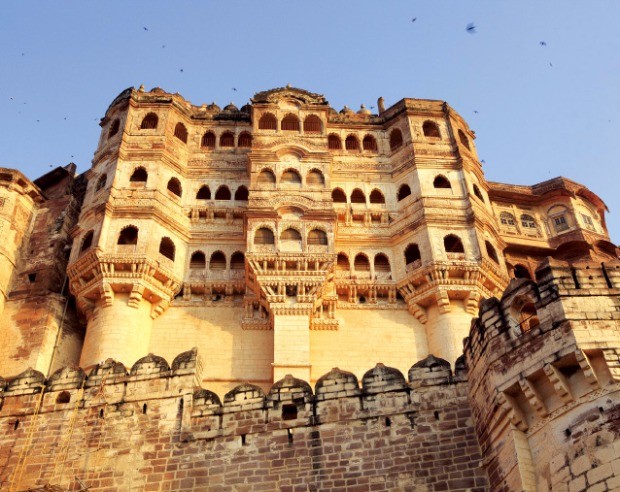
x,y
542,111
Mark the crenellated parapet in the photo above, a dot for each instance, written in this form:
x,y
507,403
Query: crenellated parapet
x,y
544,375
159,412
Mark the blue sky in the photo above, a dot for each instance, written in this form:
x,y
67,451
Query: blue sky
x,y
543,111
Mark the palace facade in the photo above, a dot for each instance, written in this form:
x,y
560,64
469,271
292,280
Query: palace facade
x,y
280,240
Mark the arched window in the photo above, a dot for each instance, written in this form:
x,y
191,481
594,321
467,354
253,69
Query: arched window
x,y
361,263
87,241
507,219
382,263
441,182
317,236
264,235
352,143
198,261
529,222
315,178
128,235
431,129
167,248
396,139
412,254
290,123
174,186
237,261
358,196
463,138
453,244
376,196
342,263
268,122
114,127
101,182
180,132
491,251
208,140
222,193
521,271
369,143
312,124
139,175
403,192
290,234
227,139
204,193
290,177
266,177
241,194
217,261
149,122
245,140
478,193
338,196
333,142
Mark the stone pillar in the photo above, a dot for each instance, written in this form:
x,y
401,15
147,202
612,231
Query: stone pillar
x,y
291,346
119,330
446,329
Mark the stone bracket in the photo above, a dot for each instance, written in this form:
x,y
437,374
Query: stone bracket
x,y
559,383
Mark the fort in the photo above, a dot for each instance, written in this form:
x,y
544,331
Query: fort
x,y
288,297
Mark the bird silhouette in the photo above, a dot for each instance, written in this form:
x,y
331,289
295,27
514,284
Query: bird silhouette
x,y
471,28
414,19
181,70
543,43
146,29
234,89
550,64
475,111
163,45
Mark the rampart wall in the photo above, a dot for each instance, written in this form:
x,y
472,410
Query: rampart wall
x,y
152,429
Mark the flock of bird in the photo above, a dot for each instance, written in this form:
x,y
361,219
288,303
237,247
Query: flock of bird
x,y
470,29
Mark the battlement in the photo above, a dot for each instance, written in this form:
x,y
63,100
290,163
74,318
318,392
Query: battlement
x,y
544,369
141,428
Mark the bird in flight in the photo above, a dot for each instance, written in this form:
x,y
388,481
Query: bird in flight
x,y
234,89
475,111
543,43
471,28
550,64
181,70
146,29
414,19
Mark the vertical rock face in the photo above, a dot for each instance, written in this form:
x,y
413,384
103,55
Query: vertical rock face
x,y
281,240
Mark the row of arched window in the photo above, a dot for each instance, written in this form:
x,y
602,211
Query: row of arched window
x,y
369,143
140,176
290,123
526,221
217,261
265,236
291,177
361,263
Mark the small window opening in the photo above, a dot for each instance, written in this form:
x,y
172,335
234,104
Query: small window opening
x,y
317,237
242,194
396,139
291,177
144,408
369,143
478,193
204,193
218,261
243,441
436,414
167,248
362,300
174,186
338,196
453,244
264,235
334,143
521,271
245,140
114,127
290,435
222,193
266,176
101,413
139,175
376,196
16,425
289,411
358,196
412,253
491,251
32,277
227,139
463,138
87,241
388,422
431,129
312,124
63,397
129,235
441,182
403,192
208,141
290,123
149,122
101,182
267,122
352,143
198,261
315,178
180,132
237,261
